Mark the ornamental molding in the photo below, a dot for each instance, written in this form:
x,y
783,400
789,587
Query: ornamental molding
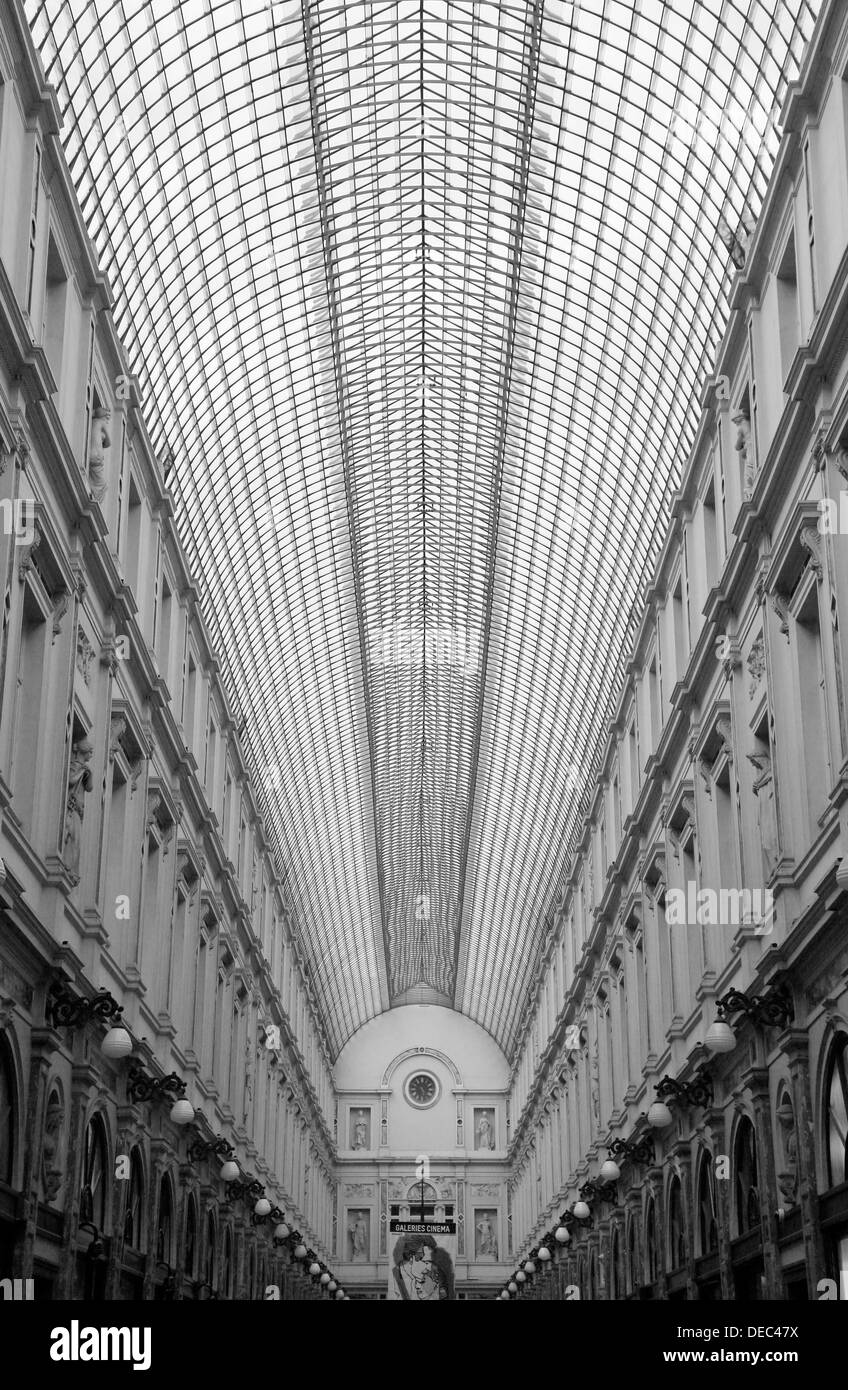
x,y
420,1054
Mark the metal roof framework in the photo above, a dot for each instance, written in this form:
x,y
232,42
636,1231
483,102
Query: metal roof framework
x,y
420,295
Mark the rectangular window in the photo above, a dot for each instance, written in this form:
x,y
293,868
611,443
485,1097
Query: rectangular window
x,y
812,699
811,229
787,307
55,304
30,690
32,245
711,537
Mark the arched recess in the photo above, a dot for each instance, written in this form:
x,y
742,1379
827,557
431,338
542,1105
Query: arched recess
x,y
94,1178
746,1192
834,1111
134,1224
10,1113
421,1053
707,1225
165,1223
633,1274
190,1240
616,1267
227,1265
210,1270
652,1264
675,1225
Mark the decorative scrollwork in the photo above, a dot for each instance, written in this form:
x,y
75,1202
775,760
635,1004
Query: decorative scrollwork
x,y
65,1011
771,1010
599,1191
201,1148
635,1151
698,1091
141,1087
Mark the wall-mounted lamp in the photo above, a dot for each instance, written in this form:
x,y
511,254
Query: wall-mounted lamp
x,y
141,1087
629,1151
698,1091
96,1251
774,1009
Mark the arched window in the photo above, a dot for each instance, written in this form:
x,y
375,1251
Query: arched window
x,y
94,1169
8,1115
745,1170
836,1143
211,1251
707,1228
651,1261
676,1233
135,1203
165,1224
227,1265
190,1260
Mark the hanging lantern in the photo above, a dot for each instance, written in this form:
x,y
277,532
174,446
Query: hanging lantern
x,y
561,1235
182,1112
230,1171
720,1037
117,1043
581,1211
659,1115
610,1171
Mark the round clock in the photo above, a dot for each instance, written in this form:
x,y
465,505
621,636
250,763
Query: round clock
x,y
421,1089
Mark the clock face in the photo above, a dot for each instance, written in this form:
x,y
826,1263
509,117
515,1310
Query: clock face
x,y
422,1089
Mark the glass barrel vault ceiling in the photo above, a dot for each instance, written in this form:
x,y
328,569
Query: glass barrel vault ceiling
x,y
419,296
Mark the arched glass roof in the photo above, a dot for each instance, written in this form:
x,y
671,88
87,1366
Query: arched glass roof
x,y
420,295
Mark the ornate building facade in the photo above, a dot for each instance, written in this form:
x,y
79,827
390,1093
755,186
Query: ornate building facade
x,y
135,857
715,840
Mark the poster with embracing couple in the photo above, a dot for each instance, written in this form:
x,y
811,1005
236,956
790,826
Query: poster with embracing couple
x,y
422,1260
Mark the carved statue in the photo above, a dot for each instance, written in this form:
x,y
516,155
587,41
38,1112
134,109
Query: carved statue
x,y
486,1242
766,816
79,782
360,1132
98,444
52,1156
248,1081
787,1180
756,665
744,448
358,1233
485,1136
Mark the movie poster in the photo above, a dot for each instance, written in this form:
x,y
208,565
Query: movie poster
x,y
422,1254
